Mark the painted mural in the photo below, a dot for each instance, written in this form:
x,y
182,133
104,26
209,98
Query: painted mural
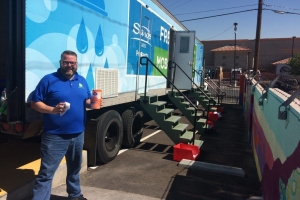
x,y
103,36
276,145
96,30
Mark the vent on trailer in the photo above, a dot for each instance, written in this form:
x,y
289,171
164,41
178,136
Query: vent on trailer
x,y
107,80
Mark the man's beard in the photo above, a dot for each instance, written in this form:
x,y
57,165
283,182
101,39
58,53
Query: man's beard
x,y
67,73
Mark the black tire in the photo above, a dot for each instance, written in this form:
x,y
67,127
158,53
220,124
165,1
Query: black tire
x,y
133,126
109,136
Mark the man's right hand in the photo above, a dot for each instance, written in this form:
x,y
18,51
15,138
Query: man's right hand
x,y
43,108
59,108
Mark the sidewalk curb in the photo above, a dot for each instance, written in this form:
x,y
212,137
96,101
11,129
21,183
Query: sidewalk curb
x,y
59,179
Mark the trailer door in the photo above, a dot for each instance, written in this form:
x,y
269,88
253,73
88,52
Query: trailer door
x,y
184,57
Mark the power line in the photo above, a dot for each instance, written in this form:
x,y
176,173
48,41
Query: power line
x,y
282,12
215,9
181,4
217,15
281,7
219,33
173,3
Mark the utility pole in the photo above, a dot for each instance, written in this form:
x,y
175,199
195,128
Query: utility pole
x,y
293,46
234,56
257,39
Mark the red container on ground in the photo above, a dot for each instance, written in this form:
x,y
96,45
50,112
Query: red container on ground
x,y
213,116
185,151
211,123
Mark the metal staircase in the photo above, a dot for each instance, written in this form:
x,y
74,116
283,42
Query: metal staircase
x,y
202,96
199,93
169,123
218,93
189,112
163,116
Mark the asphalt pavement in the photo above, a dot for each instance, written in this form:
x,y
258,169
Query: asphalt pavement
x,y
148,171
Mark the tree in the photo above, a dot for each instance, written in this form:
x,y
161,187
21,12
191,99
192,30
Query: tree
x,y
295,65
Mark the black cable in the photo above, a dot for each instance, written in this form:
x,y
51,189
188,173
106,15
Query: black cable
x,y
281,7
283,12
217,15
218,34
181,4
215,10
173,3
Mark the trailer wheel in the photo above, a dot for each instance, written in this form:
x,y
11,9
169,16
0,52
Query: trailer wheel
x,y
132,126
109,136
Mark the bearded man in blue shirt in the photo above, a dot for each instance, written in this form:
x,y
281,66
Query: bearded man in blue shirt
x,y
62,97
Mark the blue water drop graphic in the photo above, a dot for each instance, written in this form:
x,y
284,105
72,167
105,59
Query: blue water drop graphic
x,y
90,78
82,39
106,64
99,44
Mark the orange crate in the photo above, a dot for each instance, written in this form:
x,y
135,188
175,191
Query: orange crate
x,y
185,151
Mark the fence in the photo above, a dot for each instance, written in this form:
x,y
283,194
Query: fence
x,y
225,85
217,86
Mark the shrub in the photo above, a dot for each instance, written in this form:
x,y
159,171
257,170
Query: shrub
x,y
295,65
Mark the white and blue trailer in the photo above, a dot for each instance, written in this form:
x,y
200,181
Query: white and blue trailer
x,y
109,37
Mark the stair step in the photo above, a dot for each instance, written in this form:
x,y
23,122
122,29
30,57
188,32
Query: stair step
x,y
197,92
166,110
199,114
187,137
185,102
213,109
177,93
149,98
159,103
179,97
151,94
180,127
202,120
173,119
191,108
202,96
174,93
198,143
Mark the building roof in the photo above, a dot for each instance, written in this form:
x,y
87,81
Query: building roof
x,y
284,61
231,48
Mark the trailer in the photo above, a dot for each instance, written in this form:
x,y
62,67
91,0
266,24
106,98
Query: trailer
x,y
109,37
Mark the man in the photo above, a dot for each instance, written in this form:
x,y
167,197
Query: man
x,y
63,129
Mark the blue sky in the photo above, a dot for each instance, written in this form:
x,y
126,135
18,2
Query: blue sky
x,y
221,28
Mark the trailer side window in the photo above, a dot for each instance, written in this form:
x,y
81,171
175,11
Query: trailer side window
x,y
184,44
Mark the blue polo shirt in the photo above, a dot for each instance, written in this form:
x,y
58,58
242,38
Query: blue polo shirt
x,y
53,89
